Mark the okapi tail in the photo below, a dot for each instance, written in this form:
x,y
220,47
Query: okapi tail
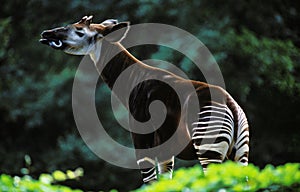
x,y
240,148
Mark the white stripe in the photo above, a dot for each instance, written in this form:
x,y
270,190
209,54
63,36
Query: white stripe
x,y
238,142
206,162
146,172
151,177
240,152
203,135
211,131
146,159
215,121
212,106
211,127
212,111
238,146
214,136
220,108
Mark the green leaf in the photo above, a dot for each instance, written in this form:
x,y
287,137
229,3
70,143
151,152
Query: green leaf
x,y
59,175
46,178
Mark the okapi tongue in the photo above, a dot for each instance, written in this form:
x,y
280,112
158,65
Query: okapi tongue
x,y
55,43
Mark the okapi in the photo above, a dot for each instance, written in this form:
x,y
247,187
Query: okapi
x,y
220,118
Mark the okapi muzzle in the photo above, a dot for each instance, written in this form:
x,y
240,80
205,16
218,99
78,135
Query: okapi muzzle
x,y
55,37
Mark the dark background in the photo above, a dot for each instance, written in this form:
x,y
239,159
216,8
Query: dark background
x,y
255,43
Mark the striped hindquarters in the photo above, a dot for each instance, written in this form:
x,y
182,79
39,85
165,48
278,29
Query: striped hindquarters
x,y
213,133
241,136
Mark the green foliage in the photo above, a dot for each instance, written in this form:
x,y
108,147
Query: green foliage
x,y
44,183
231,177
264,61
5,29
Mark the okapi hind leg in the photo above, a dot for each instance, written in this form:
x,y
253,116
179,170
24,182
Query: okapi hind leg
x,y
213,134
241,146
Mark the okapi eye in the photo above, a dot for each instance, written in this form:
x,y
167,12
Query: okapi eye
x,y
79,34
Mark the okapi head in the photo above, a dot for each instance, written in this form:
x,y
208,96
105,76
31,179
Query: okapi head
x,y
83,37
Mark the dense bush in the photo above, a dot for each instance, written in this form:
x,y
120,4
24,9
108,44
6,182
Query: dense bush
x,y
231,177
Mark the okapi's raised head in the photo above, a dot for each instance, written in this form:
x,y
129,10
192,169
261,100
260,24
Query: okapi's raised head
x,y
82,37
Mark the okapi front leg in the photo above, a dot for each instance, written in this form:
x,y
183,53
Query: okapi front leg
x,y
148,169
166,167
213,134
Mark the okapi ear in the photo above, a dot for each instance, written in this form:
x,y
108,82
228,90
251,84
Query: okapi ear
x,y
117,32
109,22
86,20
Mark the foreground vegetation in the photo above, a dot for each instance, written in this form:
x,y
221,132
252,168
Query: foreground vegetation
x,y
231,177
226,177
45,183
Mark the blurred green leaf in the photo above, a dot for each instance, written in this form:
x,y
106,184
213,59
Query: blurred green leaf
x,y
59,175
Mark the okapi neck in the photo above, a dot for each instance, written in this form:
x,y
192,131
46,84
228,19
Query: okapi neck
x,y
113,61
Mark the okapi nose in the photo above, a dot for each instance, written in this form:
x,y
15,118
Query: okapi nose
x,y
47,33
